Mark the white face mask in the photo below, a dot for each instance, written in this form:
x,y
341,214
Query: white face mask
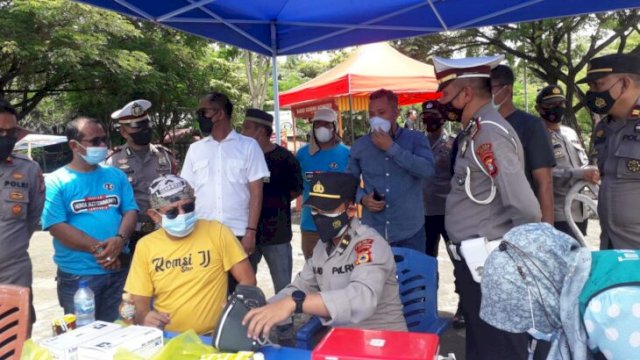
x,y
493,99
379,124
323,134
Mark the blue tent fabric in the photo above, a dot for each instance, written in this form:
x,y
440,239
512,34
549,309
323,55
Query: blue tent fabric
x,y
281,27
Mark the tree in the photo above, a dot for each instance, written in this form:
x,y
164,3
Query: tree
x,y
257,69
554,51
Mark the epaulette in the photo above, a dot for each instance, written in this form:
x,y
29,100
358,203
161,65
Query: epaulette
x,y
113,151
162,147
21,157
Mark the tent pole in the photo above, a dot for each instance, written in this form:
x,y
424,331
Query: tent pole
x,y
274,74
351,119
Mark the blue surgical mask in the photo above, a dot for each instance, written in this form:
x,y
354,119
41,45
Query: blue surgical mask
x,y
380,124
180,226
493,99
95,154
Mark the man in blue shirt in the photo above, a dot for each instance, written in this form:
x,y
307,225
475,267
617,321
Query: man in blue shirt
x,y
324,153
393,162
90,211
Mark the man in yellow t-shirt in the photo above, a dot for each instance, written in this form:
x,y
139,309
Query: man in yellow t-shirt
x,y
183,266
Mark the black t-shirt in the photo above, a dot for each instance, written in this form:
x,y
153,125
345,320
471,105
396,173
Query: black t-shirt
x,y
274,226
536,144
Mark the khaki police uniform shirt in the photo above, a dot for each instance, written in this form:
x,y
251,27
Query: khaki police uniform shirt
x,y
571,158
357,281
436,188
499,151
141,169
22,201
617,149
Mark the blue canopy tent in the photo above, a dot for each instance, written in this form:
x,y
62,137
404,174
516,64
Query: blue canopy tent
x,y
281,27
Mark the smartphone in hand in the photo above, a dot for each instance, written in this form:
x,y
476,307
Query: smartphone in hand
x,y
377,196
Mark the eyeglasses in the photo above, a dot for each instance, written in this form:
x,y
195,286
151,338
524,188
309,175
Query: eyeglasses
x,y
202,112
9,132
175,211
96,141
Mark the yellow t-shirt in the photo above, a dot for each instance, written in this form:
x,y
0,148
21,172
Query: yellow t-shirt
x,y
188,277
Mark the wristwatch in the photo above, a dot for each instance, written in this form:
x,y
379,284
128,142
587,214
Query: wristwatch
x,y
298,296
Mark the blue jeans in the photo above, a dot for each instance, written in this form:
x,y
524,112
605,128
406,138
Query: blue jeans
x,y
106,288
279,260
416,242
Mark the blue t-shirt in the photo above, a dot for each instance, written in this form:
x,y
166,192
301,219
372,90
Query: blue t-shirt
x,y
329,160
92,202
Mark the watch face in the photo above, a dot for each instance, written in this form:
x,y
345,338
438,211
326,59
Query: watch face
x,y
298,295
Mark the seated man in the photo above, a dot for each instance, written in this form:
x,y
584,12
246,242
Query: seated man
x,y
350,280
184,265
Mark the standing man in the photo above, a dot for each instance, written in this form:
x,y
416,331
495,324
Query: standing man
x,y
91,212
614,90
22,201
411,119
324,153
226,170
285,183
489,194
538,153
140,160
571,158
393,162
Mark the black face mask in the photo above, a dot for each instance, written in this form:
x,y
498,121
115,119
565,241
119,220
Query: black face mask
x,y
205,123
600,102
142,137
6,146
330,226
432,122
554,115
449,112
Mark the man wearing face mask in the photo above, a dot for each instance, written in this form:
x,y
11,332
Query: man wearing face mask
x,y
324,153
91,212
23,198
226,170
183,266
571,158
614,90
350,281
489,194
285,183
140,160
393,162
538,155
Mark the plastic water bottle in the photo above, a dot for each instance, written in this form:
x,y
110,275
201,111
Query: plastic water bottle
x,y
84,303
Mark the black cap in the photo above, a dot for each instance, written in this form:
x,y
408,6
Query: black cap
x,y
602,66
259,116
431,105
550,93
331,189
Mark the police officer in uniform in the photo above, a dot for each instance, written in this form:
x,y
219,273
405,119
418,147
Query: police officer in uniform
x,y
489,194
140,160
614,90
350,280
571,158
22,201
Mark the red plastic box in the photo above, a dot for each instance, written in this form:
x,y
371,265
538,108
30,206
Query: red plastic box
x,y
358,344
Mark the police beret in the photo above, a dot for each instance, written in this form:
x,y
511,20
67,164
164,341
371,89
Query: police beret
x,y
259,116
549,93
448,70
132,112
602,66
331,189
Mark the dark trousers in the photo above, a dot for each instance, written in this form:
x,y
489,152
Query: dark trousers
x,y
564,227
483,341
433,229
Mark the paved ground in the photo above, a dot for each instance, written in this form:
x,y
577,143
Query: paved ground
x,y
47,307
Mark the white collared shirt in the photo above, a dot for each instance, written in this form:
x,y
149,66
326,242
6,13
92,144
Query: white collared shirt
x,y
220,173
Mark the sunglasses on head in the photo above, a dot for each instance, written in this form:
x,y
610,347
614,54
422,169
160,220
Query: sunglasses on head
x,y
175,211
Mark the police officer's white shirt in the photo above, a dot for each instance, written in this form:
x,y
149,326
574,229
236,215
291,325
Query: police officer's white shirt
x,y
220,173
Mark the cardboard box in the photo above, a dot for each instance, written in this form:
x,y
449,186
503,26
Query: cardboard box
x,y
358,344
140,340
65,346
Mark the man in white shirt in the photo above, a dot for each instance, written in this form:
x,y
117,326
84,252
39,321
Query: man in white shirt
x,y
226,170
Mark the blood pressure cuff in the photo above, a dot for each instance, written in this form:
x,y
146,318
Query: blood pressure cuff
x,y
230,334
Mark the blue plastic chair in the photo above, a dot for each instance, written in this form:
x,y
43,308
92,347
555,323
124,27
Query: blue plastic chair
x,y
418,283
